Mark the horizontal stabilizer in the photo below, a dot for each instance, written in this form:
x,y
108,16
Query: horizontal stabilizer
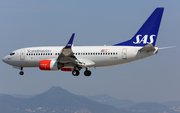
x,y
147,48
167,47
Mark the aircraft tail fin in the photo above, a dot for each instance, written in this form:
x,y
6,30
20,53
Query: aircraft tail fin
x,y
147,34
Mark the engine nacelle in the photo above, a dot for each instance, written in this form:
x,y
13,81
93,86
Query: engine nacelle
x,y
50,65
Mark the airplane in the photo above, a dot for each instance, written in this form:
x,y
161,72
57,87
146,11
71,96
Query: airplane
x,y
74,58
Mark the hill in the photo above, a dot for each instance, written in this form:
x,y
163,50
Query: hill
x,y
55,100
106,99
150,107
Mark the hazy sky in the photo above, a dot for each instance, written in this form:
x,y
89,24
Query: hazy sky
x,y
95,22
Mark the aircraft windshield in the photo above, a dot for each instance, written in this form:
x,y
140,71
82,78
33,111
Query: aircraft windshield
x,y
11,54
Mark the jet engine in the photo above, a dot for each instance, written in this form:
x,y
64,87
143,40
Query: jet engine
x,y
50,65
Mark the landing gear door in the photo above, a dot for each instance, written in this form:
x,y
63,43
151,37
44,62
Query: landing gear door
x,y
22,54
124,53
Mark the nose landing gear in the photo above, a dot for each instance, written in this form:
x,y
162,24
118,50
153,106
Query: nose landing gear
x,y
21,72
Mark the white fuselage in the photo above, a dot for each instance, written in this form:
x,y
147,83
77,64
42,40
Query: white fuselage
x,y
93,56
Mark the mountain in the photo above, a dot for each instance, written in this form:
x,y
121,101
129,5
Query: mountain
x,y
55,100
150,107
58,100
106,99
145,107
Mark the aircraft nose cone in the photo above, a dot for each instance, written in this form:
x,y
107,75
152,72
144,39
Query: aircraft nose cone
x,y
4,59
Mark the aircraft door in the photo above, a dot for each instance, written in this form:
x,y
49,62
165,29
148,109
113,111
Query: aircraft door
x,y
124,53
22,54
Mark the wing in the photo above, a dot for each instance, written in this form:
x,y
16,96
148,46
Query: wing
x,y
66,56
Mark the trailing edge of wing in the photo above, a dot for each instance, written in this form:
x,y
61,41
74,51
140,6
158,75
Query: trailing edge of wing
x,y
147,48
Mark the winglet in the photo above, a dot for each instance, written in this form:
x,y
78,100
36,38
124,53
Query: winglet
x,y
69,44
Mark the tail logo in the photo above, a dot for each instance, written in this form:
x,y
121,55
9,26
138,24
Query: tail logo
x,y
139,39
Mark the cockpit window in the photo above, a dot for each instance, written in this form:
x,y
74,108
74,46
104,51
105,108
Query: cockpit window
x,y
11,54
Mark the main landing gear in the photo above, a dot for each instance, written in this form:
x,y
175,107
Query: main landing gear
x,y
21,72
75,72
86,72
